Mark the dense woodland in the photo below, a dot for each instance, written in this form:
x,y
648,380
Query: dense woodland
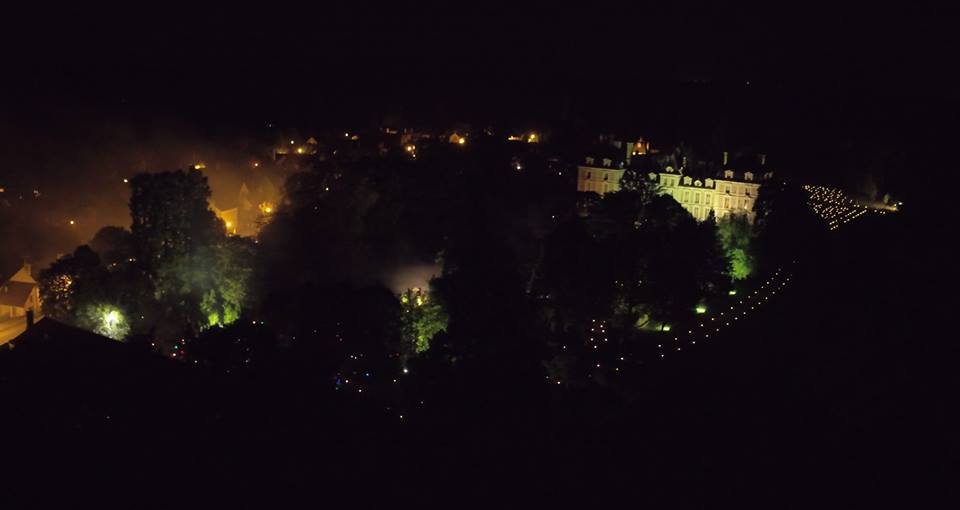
x,y
525,269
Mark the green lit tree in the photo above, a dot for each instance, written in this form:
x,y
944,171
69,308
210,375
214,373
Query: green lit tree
x,y
104,319
422,316
735,235
208,286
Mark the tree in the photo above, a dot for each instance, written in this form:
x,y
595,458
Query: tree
x,y
736,236
104,319
71,282
114,245
208,286
423,316
171,216
785,226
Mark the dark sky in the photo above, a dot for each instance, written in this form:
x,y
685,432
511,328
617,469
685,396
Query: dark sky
x,y
289,60
89,96
791,80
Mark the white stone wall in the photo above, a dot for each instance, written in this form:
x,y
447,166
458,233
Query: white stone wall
x,y
699,197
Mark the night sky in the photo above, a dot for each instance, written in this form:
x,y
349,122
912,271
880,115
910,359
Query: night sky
x,y
330,60
828,93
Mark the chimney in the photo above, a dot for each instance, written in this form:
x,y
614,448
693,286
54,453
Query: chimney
x,y
763,159
27,268
725,154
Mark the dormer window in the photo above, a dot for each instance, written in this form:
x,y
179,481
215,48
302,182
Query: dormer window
x,y
687,180
748,176
589,160
652,176
709,183
607,162
697,183
669,169
728,174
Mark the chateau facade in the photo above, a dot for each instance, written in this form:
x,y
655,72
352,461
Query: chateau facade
x,y
729,192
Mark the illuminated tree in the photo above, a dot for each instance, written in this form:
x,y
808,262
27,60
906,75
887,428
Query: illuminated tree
x,y
70,282
104,319
209,285
422,317
736,236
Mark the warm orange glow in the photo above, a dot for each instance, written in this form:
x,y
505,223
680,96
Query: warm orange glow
x,y
410,148
462,141
73,222
266,207
532,138
199,166
256,164
299,150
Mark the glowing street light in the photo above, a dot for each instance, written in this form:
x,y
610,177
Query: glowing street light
x,y
462,141
72,222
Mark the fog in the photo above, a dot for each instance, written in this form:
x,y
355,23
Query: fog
x,y
62,165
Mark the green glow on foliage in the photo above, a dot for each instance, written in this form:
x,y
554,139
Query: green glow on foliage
x,y
666,327
423,318
106,320
701,309
732,293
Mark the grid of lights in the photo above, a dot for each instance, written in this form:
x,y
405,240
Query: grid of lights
x,y
835,207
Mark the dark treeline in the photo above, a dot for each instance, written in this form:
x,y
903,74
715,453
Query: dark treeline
x,y
524,271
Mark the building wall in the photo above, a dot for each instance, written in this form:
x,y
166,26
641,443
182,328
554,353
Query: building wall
x,y
598,179
699,197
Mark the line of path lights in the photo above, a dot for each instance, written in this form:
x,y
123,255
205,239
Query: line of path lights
x,y
713,324
610,359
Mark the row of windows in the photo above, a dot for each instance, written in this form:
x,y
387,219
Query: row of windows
x,y
724,188
697,198
597,187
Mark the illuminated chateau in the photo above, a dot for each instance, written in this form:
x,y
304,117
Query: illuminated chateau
x,y
699,192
